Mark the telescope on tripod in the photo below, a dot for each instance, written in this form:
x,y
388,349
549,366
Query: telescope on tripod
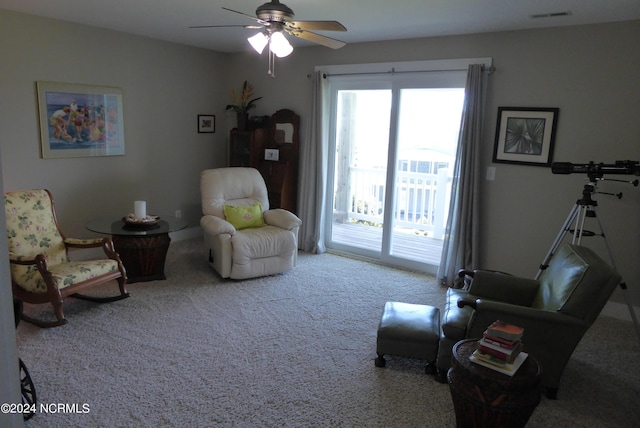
x,y
597,170
586,206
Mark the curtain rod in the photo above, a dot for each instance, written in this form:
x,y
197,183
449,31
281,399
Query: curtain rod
x,y
488,70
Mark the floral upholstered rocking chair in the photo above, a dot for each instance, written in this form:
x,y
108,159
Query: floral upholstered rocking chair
x,y
41,270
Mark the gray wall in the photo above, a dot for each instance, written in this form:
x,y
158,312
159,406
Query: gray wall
x,y
589,72
165,86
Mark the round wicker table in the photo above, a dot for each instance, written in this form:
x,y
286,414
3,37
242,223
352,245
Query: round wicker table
x,y
483,397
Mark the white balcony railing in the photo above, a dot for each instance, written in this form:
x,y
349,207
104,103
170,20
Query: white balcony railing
x,y
421,200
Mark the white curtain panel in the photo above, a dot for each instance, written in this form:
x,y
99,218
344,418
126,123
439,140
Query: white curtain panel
x,y
313,172
460,248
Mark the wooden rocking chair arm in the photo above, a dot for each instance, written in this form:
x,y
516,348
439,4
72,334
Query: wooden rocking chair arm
x,y
105,243
84,243
109,249
22,261
40,260
41,263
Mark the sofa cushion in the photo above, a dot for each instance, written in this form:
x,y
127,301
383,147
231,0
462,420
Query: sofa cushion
x,y
231,186
244,216
262,251
504,288
63,274
569,292
33,229
257,243
455,319
560,279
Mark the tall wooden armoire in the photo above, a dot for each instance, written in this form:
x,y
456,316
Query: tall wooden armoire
x,y
274,152
279,163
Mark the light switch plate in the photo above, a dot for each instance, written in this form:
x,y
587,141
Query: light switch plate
x,y
271,154
491,173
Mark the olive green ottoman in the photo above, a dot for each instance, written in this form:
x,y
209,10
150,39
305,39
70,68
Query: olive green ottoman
x,y
409,330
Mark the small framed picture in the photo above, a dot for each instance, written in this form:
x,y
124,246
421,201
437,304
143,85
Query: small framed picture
x,y
525,135
271,154
206,123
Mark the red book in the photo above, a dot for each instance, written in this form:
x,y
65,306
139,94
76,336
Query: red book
x,y
505,330
507,344
506,355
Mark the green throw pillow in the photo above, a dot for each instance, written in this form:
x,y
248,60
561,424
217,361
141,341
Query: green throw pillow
x,y
242,217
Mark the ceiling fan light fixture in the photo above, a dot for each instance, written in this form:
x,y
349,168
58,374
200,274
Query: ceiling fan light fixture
x,y
259,41
276,21
279,45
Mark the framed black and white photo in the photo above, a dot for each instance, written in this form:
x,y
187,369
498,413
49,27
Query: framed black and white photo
x,y
525,135
206,123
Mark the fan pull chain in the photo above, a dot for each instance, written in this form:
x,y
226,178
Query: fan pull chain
x,y
272,64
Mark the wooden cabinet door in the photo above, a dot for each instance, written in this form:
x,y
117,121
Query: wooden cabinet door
x,y
280,184
246,148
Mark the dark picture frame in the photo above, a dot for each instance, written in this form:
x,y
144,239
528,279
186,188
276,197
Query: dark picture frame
x,y
525,135
206,123
80,120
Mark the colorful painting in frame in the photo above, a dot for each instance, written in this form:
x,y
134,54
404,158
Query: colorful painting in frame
x,y
80,120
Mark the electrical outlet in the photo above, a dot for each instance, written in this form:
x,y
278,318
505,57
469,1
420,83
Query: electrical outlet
x,y
178,213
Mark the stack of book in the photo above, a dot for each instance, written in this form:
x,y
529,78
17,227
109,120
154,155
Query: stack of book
x,y
500,348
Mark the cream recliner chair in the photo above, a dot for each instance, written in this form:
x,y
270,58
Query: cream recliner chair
x,y
262,241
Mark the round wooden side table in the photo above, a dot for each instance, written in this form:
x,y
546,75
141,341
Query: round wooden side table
x,y
143,251
483,397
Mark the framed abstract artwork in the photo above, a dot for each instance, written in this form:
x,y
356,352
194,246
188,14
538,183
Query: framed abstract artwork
x,y
206,123
80,120
525,135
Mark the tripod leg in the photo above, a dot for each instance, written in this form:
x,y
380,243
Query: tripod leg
x,y
579,230
622,284
563,231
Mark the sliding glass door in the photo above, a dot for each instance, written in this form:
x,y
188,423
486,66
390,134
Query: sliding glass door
x,y
360,166
392,147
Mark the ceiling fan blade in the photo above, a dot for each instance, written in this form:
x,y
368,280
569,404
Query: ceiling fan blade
x,y
316,25
317,38
241,13
259,21
227,26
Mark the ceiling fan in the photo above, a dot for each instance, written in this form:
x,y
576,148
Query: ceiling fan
x,y
274,19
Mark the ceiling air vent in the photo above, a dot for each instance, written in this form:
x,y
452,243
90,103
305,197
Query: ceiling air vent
x,y
550,15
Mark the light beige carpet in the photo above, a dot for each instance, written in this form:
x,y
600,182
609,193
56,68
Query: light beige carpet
x,y
292,350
